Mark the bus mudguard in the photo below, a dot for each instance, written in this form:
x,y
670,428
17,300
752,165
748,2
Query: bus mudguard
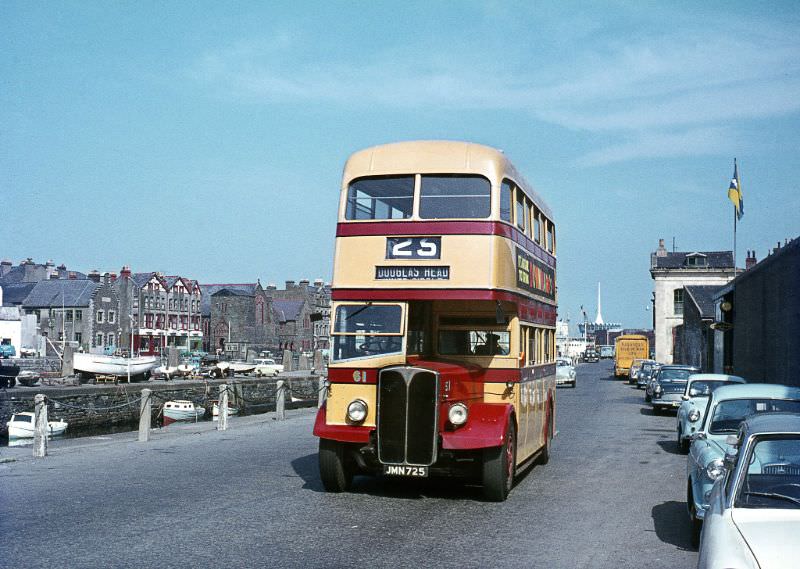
x,y
486,427
342,433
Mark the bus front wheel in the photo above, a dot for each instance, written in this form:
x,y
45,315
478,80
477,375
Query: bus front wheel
x,y
499,464
336,473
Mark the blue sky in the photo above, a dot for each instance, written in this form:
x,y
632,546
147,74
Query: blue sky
x,y
207,138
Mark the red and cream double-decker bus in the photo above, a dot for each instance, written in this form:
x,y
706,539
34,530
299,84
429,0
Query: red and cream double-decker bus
x,y
444,308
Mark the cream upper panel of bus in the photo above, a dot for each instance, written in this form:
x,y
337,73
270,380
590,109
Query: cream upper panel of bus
x,y
470,261
435,157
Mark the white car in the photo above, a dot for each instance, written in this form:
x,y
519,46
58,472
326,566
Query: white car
x,y
753,516
266,367
565,372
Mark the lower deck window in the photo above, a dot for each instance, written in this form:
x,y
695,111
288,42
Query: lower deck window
x,y
474,342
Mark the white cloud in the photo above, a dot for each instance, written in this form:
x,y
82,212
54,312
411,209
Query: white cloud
x,y
662,96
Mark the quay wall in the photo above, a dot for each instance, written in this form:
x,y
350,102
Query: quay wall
x,y
102,405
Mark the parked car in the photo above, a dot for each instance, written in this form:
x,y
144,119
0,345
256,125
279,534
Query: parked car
x,y
636,369
753,516
670,387
646,373
266,367
728,406
695,399
667,385
565,372
7,349
27,352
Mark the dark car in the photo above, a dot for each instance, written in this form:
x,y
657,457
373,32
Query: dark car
x,y
591,356
667,387
649,368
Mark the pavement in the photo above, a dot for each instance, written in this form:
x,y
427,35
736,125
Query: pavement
x,y
611,496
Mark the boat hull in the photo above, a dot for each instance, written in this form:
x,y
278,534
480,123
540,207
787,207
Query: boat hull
x,y
25,429
181,410
112,365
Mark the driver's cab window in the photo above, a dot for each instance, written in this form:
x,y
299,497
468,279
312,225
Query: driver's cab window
x,y
362,330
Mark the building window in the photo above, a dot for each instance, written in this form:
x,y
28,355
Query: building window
x,y
68,315
99,339
100,317
112,317
111,341
79,316
678,299
78,337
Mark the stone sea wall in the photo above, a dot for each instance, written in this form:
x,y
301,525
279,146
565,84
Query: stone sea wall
x,y
101,405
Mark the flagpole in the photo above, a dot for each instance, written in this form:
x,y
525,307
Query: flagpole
x,y
734,242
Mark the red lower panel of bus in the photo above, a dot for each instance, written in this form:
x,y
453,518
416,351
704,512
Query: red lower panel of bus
x,y
343,433
486,427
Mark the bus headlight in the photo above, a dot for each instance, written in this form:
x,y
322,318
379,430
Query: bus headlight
x,y
715,469
457,415
694,415
357,411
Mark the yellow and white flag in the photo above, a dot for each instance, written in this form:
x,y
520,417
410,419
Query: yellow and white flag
x,y
735,192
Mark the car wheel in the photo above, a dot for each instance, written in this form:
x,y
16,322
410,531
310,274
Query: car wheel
x,y
574,383
647,398
499,465
696,523
336,473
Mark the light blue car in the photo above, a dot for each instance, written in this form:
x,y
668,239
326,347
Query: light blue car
x,y
699,388
727,407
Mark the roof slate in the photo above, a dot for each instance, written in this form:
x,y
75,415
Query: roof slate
x,y
703,298
207,290
14,294
714,260
287,310
55,293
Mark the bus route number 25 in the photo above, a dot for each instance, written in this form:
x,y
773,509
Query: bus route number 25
x,y
413,247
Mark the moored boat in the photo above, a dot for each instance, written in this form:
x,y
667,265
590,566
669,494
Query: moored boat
x,y
242,367
114,365
182,410
21,426
215,411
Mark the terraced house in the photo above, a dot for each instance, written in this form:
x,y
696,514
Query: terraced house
x,y
159,311
83,312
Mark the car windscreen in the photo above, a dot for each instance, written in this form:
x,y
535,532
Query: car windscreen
x,y
772,479
674,374
728,415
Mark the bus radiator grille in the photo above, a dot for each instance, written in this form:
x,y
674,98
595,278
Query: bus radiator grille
x,y
407,416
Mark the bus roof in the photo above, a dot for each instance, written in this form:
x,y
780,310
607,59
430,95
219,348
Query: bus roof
x,y
437,157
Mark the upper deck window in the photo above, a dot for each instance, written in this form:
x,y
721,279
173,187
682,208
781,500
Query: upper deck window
x,y
537,226
551,237
505,201
380,198
520,210
452,197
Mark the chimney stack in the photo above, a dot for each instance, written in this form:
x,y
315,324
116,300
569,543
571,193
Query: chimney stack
x,y
661,251
125,273
93,276
751,261
290,285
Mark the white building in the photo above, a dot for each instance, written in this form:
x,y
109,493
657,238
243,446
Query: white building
x,y
673,271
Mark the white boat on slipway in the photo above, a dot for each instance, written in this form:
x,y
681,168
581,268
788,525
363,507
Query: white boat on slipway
x,y
114,365
21,426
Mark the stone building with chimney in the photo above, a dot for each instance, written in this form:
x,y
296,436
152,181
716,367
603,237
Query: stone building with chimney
x,y
671,273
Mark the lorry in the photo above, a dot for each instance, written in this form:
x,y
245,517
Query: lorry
x,y
627,348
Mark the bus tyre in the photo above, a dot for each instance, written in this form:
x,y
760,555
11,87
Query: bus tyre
x,y
498,466
336,474
544,456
